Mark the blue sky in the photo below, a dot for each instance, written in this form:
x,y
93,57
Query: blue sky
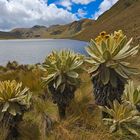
x,y
27,13
89,8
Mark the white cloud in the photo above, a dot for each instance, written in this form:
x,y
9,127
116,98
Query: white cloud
x,y
104,6
81,13
27,13
82,1
66,3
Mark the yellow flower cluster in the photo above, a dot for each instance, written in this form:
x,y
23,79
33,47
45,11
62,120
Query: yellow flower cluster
x,y
102,37
118,35
51,57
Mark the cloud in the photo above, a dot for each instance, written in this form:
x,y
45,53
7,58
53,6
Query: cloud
x,y
27,13
68,3
104,6
82,1
65,3
81,13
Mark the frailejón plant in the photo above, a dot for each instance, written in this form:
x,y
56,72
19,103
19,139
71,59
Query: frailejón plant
x,y
109,67
14,101
122,116
132,94
62,77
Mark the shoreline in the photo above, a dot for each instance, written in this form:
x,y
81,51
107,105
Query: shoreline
x,y
41,39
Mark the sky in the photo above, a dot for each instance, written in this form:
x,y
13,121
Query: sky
x,y
27,13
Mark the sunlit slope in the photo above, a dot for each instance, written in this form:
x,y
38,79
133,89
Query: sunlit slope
x,y
123,15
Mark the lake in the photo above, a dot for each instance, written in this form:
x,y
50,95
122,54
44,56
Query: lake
x,y
31,51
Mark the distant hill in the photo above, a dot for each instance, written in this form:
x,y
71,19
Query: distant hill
x,y
10,35
125,15
56,31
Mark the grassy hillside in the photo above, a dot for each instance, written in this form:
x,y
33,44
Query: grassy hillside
x,y
123,15
83,121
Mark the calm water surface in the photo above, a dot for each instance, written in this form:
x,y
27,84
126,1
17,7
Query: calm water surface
x,y
35,50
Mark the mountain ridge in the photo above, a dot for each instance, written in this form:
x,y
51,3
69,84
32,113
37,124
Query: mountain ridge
x,y
125,15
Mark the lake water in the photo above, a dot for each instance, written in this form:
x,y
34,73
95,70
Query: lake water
x,y
33,51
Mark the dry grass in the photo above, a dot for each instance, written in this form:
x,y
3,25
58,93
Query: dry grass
x,y
83,116
29,78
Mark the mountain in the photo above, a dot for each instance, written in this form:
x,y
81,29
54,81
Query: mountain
x,y
125,15
55,31
10,35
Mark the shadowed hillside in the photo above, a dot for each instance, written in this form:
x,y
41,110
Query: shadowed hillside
x,y
10,35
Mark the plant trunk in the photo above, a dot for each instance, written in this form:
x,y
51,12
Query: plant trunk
x,y
13,134
105,115
62,111
106,94
138,107
12,123
62,99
